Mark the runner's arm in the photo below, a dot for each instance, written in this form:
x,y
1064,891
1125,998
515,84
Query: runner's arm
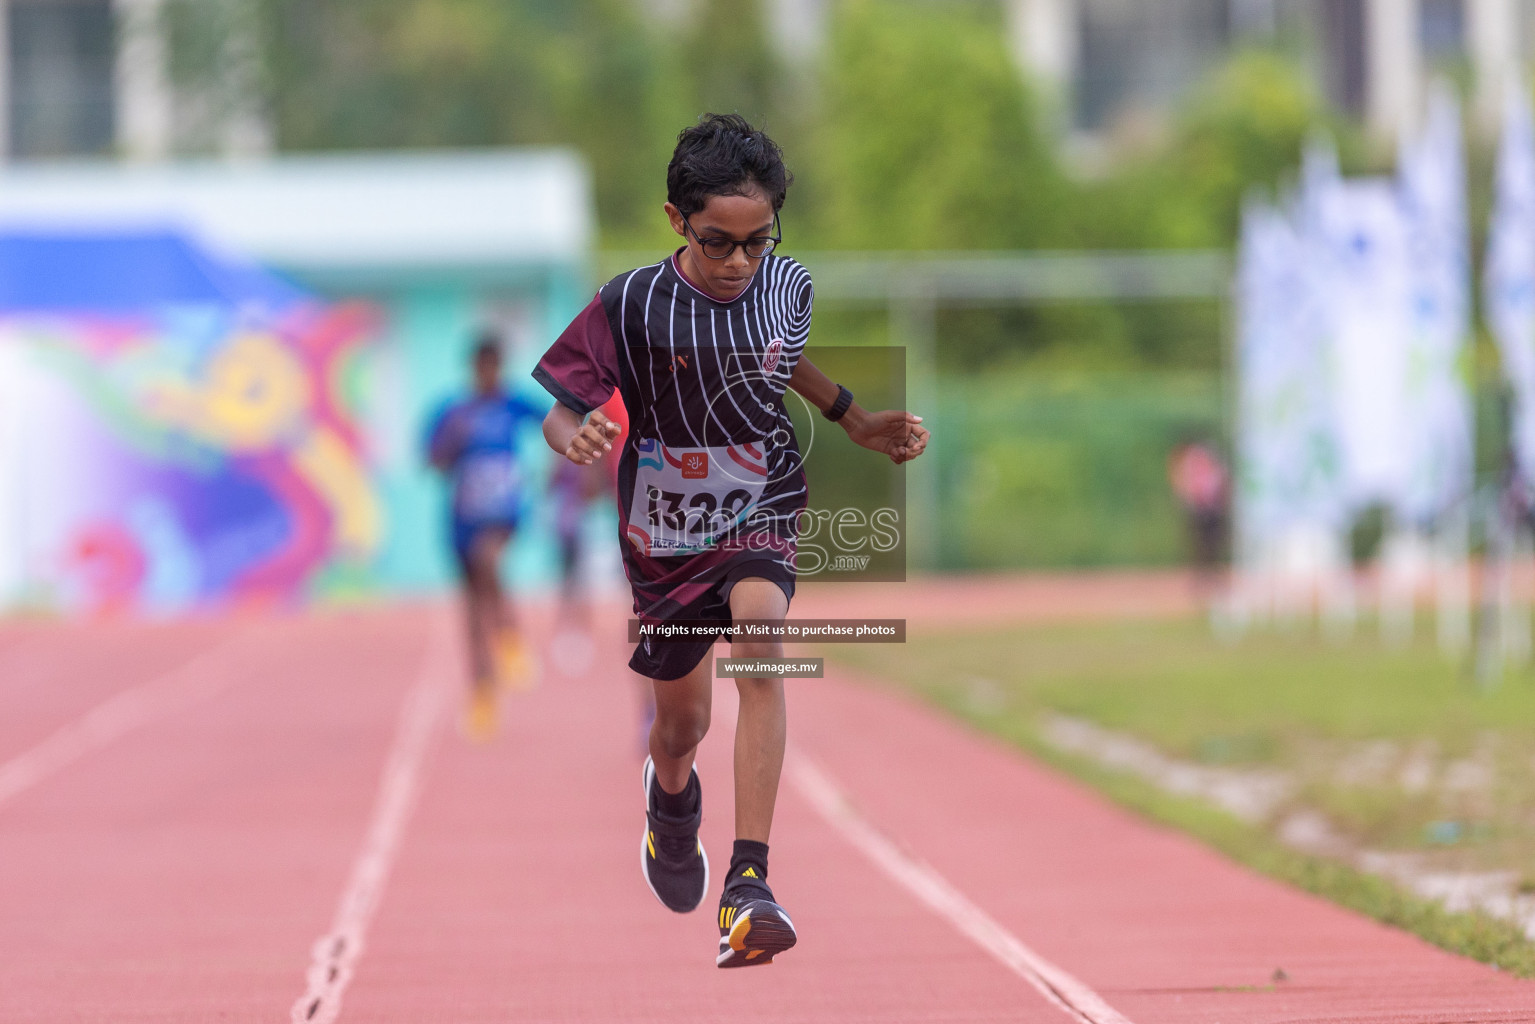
x,y
445,440
893,432
581,371
581,444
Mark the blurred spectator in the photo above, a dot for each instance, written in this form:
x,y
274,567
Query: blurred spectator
x,y
1201,484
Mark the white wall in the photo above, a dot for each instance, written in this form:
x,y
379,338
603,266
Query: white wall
x,y
144,107
5,80
1393,67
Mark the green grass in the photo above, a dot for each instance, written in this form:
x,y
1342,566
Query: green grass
x,y
1291,702
1177,686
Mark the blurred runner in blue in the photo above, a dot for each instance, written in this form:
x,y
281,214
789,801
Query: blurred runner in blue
x,y
474,443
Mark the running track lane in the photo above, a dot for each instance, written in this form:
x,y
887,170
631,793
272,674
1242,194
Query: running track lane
x,y
1159,926
517,896
184,872
49,678
540,916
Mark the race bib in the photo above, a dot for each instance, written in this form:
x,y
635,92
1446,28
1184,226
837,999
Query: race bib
x,y
487,487
686,498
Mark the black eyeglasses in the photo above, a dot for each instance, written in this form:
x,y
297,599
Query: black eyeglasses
x,y
722,248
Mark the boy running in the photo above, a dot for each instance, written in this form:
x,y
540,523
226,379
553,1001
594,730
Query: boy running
x,y
701,347
474,443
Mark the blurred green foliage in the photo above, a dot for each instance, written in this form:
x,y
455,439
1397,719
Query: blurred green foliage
x,y
407,74
912,128
1066,468
927,137
1242,129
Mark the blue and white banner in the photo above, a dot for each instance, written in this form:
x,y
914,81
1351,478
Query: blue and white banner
x,y
1437,395
1287,446
1361,253
1510,276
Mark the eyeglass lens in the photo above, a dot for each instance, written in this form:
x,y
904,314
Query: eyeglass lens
x,y
719,248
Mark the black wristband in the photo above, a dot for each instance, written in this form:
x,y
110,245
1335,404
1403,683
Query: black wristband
x,y
841,405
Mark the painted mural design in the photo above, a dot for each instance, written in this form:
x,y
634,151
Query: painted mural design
x,y
190,458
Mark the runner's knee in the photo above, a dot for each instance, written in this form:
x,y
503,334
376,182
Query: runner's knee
x,y
756,688
681,728
742,649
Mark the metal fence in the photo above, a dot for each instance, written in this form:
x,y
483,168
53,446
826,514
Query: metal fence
x,y
1031,468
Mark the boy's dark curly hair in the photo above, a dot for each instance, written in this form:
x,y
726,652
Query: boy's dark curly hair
x,y
723,155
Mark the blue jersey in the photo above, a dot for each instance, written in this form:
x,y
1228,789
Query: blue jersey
x,y
477,440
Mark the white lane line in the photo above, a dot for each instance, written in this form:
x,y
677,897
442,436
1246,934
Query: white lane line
x,y
335,954
136,706
1070,995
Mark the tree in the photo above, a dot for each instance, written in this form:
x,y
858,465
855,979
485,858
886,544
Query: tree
x,y
928,136
404,74
1245,125
729,64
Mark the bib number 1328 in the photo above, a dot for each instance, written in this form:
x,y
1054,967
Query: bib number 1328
x,y
687,513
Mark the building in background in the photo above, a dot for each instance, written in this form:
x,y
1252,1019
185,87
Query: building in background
x,y
88,77
57,78
1110,62
1114,65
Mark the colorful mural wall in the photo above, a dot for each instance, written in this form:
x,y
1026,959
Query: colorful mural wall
x,y
162,456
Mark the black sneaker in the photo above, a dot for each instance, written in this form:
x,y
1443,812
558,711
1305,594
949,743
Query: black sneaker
x,y
671,856
753,929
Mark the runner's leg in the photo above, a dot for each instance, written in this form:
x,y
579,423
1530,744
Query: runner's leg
x,y
482,587
490,545
754,928
762,727
672,858
682,714
572,596
480,668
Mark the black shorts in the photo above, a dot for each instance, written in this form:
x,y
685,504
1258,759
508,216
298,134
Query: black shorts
x,y
673,659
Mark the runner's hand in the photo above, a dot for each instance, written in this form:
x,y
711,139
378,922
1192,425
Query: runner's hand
x,y
892,432
594,439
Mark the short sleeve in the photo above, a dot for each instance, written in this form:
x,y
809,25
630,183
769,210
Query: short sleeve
x,y
581,368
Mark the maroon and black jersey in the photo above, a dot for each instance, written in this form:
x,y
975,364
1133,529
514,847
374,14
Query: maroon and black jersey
x,y
710,475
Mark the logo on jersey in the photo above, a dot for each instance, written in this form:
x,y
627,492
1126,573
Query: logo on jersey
x,y
695,466
649,450
770,358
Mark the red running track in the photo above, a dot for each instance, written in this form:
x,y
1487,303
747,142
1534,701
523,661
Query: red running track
x,y
267,783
